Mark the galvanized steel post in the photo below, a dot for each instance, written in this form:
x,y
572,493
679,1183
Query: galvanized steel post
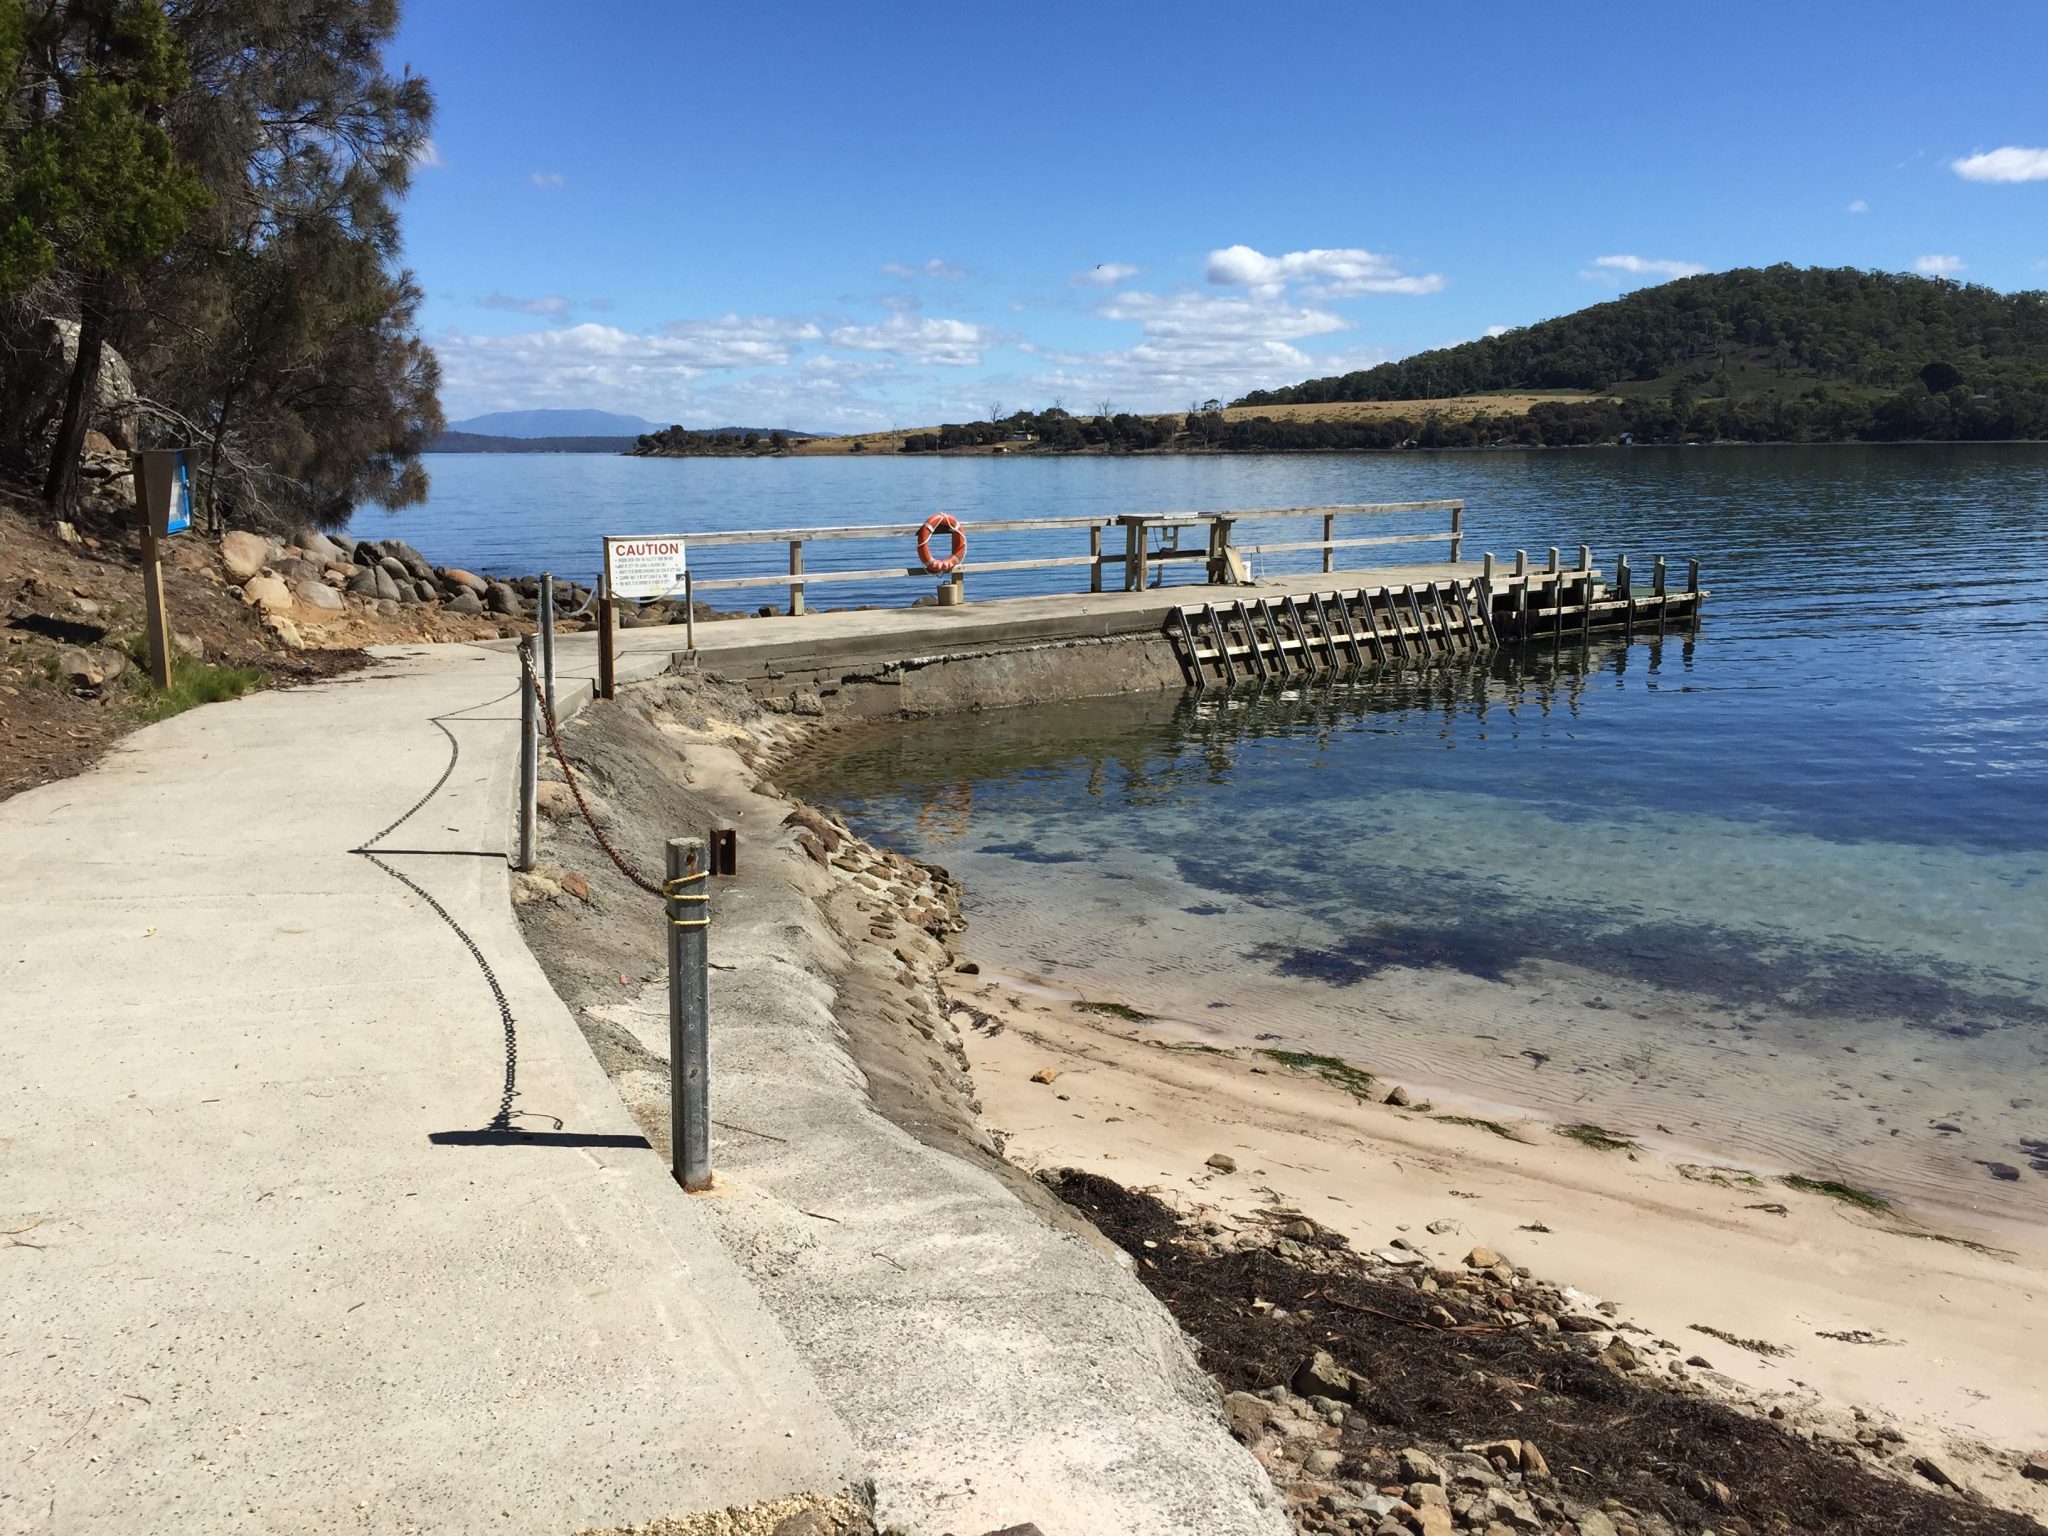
x,y
529,753
547,638
688,893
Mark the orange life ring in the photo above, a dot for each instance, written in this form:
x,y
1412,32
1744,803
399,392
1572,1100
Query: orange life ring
x,y
941,522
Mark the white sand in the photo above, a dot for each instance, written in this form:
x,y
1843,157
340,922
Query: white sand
x,y
1958,1336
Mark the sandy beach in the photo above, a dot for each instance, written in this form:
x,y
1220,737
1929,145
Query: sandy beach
x,y
1836,1314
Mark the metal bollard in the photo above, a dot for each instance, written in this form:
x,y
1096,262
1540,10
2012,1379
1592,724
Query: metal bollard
x,y
547,637
529,753
690,612
688,893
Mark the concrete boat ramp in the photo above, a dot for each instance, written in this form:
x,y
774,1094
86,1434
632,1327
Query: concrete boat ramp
x,y
270,1261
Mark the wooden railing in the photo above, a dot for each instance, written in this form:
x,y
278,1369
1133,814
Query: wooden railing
x,y
1151,540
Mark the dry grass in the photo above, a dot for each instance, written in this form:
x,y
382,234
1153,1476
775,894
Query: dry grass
x,y
1455,408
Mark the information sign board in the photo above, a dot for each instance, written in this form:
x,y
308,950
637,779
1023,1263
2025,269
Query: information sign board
x,y
644,567
166,489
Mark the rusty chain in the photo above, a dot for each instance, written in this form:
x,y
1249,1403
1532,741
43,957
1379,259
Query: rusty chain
x,y
547,715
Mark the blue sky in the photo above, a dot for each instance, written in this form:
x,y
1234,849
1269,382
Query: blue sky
x,y
846,217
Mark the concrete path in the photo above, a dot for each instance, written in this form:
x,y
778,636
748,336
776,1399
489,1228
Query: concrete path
x,y
261,1270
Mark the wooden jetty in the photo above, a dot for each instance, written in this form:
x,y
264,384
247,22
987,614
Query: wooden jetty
x,y
1318,632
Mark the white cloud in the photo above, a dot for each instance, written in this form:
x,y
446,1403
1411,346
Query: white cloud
x,y
1192,345
1857,205
917,339
1106,274
605,366
2012,163
1938,266
552,305
933,268
1332,274
1613,268
1498,330
548,181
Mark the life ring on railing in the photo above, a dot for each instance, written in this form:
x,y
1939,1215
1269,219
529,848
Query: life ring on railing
x,y
941,522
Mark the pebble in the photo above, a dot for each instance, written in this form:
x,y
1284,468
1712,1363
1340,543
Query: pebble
x,y
1222,1162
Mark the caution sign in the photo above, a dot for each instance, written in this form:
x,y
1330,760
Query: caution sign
x,y
644,567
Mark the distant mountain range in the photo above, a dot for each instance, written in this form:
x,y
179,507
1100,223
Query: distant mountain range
x,y
555,424
477,442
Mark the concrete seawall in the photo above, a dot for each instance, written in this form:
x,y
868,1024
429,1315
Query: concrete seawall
x,y
993,1363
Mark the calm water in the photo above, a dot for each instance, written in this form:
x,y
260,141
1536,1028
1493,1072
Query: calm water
x,y
1779,888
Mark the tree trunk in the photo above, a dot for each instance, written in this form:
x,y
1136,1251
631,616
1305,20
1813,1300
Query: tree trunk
x,y
60,489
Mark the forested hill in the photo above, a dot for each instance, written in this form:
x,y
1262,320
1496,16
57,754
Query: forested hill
x,y
1778,353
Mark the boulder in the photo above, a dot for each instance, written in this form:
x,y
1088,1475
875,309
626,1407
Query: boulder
x,y
424,592
1418,1466
1321,1376
500,598
382,584
367,553
1482,1257
80,667
1247,1415
364,584
39,373
243,554
268,593
465,603
468,579
318,546
395,568
317,594
286,631
1222,1162
1937,1472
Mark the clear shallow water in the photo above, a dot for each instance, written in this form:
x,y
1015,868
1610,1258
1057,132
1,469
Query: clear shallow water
x,y
1780,889
1793,868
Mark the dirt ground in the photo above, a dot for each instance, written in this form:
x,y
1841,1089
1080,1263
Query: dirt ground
x,y
60,596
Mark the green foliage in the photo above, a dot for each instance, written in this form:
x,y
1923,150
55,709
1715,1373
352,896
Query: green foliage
x,y
194,683
681,443
1779,354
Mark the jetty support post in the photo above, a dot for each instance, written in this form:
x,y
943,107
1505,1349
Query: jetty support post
x,y
607,677
1095,558
796,588
690,612
1330,533
1135,539
547,637
1457,531
529,753
688,910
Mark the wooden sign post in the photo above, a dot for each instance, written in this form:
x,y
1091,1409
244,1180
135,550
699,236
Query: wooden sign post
x,y
642,568
163,501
